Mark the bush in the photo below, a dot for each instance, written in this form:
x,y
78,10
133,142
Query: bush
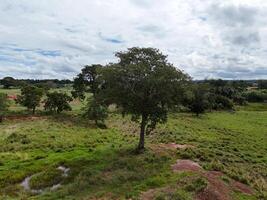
x,y
240,100
256,96
95,111
57,102
4,104
198,102
219,102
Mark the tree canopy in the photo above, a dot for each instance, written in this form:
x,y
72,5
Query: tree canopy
x,y
8,82
86,81
30,97
145,85
57,102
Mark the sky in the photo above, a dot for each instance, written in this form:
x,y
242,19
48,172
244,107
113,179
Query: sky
x,y
205,38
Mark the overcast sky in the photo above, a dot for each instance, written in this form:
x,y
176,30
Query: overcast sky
x,y
205,38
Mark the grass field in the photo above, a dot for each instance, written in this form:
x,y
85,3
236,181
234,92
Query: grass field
x,y
104,165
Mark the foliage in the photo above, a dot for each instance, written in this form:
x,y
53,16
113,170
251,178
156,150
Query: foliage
x,y
256,96
4,104
8,82
30,97
219,102
86,81
144,85
199,101
95,111
57,102
262,84
45,179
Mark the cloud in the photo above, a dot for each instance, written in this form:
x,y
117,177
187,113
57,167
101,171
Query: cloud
x,y
205,38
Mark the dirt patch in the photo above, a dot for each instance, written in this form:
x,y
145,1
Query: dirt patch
x,y
152,193
186,165
217,189
24,117
12,97
241,187
149,195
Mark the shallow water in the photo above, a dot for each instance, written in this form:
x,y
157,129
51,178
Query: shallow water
x,y
26,182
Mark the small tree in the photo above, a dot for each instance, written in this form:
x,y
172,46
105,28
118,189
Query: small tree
x,y
30,97
4,104
144,85
86,81
57,102
95,111
199,101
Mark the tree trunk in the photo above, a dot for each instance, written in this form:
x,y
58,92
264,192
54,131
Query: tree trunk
x,y
141,144
33,111
1,118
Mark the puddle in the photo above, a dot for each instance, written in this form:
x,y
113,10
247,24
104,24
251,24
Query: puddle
x,y
65,170
26,185
26,182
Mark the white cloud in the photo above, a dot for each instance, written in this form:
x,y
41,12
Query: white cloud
x,y
206,38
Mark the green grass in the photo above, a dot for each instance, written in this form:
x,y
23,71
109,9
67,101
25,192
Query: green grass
x,y
103,162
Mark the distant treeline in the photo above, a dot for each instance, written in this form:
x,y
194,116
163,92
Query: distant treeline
x,y
10,82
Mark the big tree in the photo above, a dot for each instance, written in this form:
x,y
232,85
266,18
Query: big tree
x,y
145,85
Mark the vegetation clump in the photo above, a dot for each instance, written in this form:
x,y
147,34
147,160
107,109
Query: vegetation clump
x,y
30,97
45,179
57,102
4,104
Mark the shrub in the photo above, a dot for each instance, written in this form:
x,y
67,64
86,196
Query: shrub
x,y
30,97
57,102
256,96
220,102
198,102
95,111
4,104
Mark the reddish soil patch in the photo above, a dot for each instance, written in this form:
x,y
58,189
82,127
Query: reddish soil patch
x,y
242,187
12,97
216,190
186,165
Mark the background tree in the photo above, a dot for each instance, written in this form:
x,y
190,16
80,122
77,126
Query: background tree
x,y
4,104
57,102
86,81
199,100
95,111
8,82
30,97
144,85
